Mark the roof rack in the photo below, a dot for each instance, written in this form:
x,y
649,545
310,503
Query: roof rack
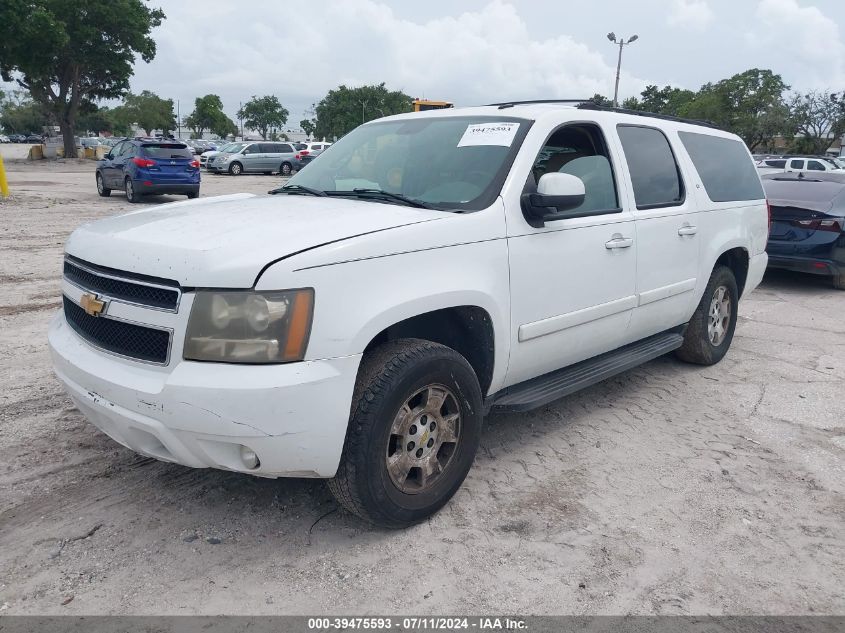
x,y
591,105
510,104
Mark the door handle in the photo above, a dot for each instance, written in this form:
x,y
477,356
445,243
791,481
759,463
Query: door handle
x,y
619,242
687,229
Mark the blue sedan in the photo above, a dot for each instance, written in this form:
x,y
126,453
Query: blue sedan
x,y
808,223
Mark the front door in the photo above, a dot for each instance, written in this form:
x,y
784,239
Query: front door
x,y
252,157
572,280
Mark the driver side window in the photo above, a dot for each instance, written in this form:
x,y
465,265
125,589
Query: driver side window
x,y
579,150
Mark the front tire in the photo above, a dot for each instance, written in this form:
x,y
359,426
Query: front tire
x,y
236,169
413,433
193,194
285,169
131,195
711,328
104,191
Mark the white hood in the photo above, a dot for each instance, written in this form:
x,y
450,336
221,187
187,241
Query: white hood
x,y
225,242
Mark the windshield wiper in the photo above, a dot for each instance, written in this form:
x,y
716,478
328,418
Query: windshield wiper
x,y
411,202
298,189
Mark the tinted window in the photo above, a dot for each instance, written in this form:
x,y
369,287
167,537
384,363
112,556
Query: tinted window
x,y
814,165
128,149
316,147
780,164
796,164
283,148
167,150
251,149
265,148
725,168
654,173
300,146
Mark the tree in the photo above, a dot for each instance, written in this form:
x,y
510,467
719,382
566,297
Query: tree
x,y
93,120
667,100
121,119
151,112
309,127
263,114
601,100
750,104
818,118
208,115
343,109
22,115
67,52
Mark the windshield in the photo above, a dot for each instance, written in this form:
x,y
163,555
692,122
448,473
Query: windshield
x,y
446,162
234,148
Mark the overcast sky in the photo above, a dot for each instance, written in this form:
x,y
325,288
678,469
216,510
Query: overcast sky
x,y
478,51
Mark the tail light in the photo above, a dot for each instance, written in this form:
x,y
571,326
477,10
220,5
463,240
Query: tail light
x,y
143,162
195,164
297,156
305,151
834,226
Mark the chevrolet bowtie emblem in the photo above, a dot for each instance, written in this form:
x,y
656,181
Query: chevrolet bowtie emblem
x,y
92,305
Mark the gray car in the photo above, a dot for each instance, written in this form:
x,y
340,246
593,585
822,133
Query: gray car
x,y
262,157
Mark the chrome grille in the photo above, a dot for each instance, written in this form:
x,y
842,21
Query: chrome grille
x,y
119,337
159,294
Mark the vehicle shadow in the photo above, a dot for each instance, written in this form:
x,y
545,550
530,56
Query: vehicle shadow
x,y
788,280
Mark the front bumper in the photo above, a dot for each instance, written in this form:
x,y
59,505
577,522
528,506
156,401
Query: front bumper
x,y
293,416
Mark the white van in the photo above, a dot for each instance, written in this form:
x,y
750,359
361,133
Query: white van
x,y
434,266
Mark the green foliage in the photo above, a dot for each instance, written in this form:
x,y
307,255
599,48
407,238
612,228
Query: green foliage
x,y
819,119
263,114
151,112
93,120
121,119
343,109
308,126
21,115
750,104
208,115
601,100
67,52
667,100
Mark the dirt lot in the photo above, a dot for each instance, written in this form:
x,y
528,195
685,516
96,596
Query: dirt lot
x,y
668,490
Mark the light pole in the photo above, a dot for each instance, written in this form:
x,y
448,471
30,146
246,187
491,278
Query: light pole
x,y
621,42
363,103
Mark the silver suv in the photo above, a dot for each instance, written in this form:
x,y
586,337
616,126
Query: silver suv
x,y
259,157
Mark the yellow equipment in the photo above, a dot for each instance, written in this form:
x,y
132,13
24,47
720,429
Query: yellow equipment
x,y
425,104
4,185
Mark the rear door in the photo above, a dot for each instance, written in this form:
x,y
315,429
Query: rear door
x,y
795,164
667,230
174,162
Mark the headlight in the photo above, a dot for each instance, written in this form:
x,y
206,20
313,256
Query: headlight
x,y
250,327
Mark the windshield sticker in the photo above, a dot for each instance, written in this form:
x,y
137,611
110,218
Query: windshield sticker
x,y
489,134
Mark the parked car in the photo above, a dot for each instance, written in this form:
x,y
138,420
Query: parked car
x,y
263,157
206,156
17,138
301,159
360,323
4,139
34,138
141,167
89,142
817,163
808,223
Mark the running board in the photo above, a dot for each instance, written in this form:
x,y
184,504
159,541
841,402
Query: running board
x,y
563,382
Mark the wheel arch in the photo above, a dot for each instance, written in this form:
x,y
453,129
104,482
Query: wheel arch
x,y
468,329
736,259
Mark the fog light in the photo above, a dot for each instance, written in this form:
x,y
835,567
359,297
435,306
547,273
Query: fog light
x,y
249,458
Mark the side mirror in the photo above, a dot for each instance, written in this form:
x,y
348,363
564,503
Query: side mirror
x,y
556,194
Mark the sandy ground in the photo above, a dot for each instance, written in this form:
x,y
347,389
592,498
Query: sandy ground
x,y
668,490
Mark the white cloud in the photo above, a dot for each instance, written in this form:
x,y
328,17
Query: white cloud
x,y
691,14
801,34
300,50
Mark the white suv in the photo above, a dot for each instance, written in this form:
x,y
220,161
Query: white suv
x,y
359,324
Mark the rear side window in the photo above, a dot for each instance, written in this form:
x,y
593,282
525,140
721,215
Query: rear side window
x,y
780,164
167,150
814,165
796,164
654,172
725,168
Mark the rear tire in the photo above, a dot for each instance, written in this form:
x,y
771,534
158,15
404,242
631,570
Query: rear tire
x,y
711,328
131,194
413,433
104,191
839,282
285,169
236,169
193,194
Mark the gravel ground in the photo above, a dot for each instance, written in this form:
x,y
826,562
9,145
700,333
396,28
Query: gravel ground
x,y
668,490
